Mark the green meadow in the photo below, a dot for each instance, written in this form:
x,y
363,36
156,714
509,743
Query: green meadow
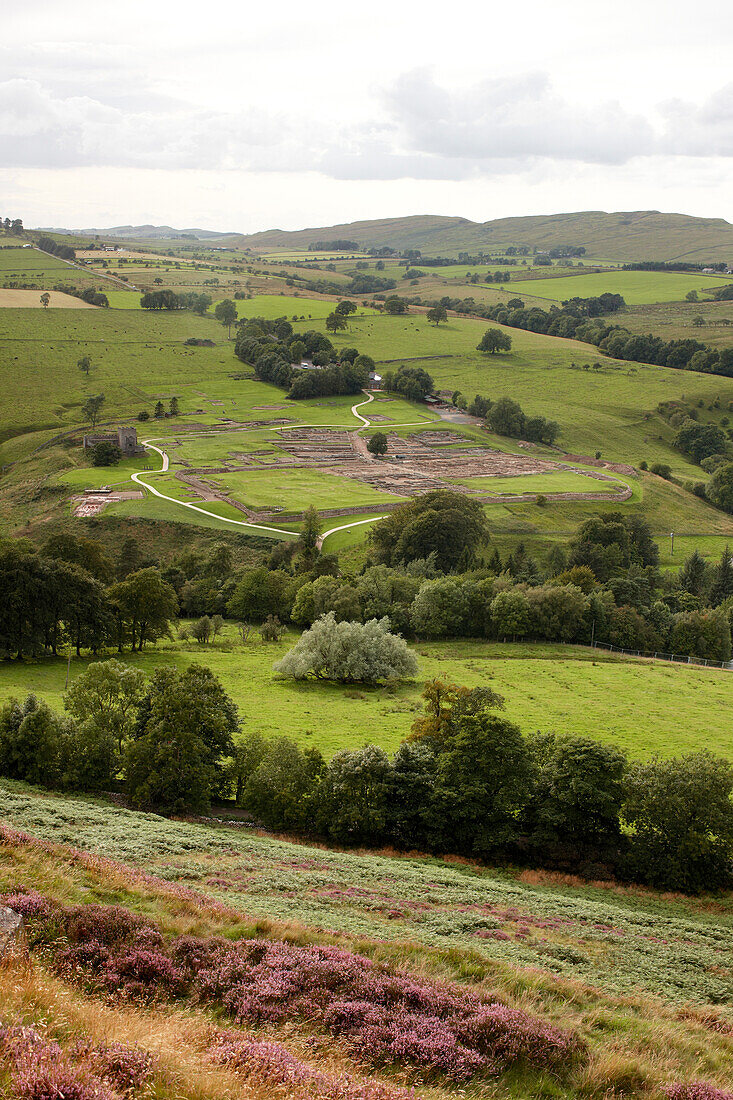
x,y
290,489
553,482
636,287
272,306
610,407
632,703
139,358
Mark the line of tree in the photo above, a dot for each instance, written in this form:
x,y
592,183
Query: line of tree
x,y
53,248
166,740
63,597
466,781
506,417
413,383
170,300
579,319
431,571
88,294
13,226
675,265
337,245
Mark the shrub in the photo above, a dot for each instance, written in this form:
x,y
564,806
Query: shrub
x,y
127,1068
106,453
382,1015
696,1090
719,489
681,814
349,652
53,1079
272,1064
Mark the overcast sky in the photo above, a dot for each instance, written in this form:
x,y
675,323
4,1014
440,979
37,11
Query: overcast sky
x,y
246,116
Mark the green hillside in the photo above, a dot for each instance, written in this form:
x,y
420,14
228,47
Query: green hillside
x,y
621,236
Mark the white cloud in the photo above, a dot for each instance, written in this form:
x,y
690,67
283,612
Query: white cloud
x,y
514,118
494,105
427,131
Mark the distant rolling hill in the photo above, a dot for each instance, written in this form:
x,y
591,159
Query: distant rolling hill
x,y
623,236
140,232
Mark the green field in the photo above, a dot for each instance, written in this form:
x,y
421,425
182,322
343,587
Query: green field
x,y
553,482
123,299
271,306
632,703
18,262
293,490
636,287
309,257
611,408
140,357
674,321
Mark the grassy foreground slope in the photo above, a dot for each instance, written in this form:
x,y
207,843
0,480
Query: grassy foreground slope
x,y
587,959
553,688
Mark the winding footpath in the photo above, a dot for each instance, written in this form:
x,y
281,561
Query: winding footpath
x,y
139,479
359,445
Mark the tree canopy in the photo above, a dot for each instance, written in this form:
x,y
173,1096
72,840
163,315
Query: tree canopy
x,y
444,523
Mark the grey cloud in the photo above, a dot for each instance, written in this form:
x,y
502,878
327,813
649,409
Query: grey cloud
x,y
700,131
430,132
513,118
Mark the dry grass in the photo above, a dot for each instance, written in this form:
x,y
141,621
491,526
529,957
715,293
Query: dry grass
x,y
637,1043
181,1039
31,299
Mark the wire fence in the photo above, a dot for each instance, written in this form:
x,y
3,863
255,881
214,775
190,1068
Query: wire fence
x,y
677,658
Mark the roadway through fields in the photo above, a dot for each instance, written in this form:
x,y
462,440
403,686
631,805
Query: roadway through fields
x,y
150,445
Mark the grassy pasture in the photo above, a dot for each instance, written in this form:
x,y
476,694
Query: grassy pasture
x,y
309,257
636,287
271,306
611,409
560,481
674,321
294,489
139,357
29,261
644,706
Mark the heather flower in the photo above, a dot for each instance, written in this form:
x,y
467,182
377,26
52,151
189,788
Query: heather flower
x,y
508,1035
138,972
126,1068
29,903
52,1079
19,1044
109,924
696,1090
271,1063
